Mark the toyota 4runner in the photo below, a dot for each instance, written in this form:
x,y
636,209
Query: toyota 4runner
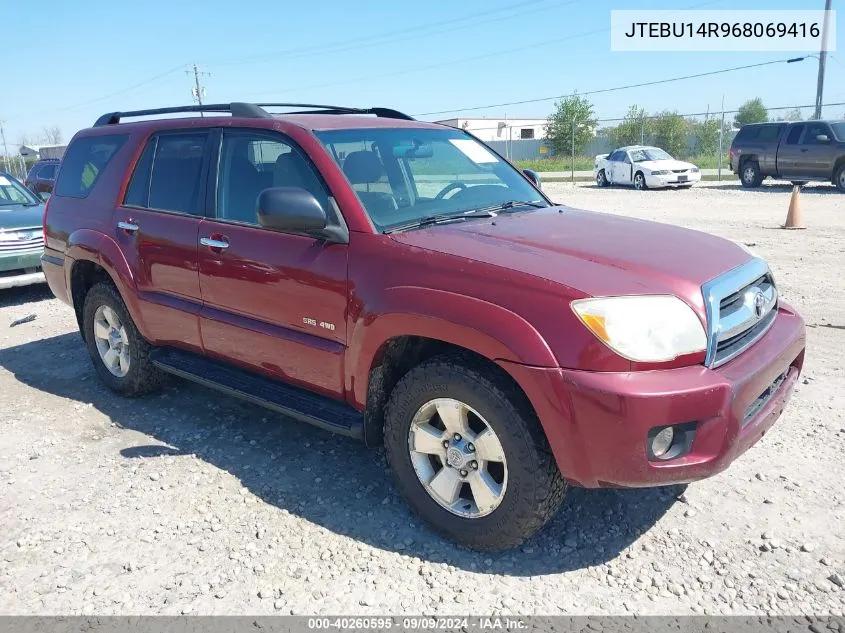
x,y
400,282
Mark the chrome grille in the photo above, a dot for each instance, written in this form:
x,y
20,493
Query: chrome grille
x,y
679,171
741,306
21,240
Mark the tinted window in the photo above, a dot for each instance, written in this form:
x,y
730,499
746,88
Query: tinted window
x,y
814,130
794,135
48,172
138,193
617,156
250,163
84,162
748,133
839,130
176,182
768,133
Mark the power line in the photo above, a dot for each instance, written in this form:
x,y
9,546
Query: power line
x,y
453,62
104,97
603,90
376,40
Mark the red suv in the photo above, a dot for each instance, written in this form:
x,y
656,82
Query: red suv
x,y
400,282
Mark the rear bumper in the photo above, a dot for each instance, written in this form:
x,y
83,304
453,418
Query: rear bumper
x,y
53,264
597,423
20,269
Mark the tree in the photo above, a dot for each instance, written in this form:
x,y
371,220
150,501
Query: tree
x,y
752,111
791,115
52,135
632,129
670,131
559,126
707,136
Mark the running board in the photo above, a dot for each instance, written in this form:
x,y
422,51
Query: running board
x,y
297,403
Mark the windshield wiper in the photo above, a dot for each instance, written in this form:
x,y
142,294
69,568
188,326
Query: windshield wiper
x,y
443,218
512,204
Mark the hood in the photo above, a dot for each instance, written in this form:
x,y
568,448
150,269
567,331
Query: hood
x,y
596,254
651,165
19,216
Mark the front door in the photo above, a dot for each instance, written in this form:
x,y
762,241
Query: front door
x,y
819,155
274,302
157,226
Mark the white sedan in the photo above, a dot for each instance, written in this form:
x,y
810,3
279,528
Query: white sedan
x,y
644,168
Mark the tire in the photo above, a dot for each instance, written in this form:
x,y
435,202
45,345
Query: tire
x,y
531,486
639,181
749,174
103,303
839,178
601,179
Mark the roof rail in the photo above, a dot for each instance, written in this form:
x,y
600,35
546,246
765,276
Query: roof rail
x,y
251,110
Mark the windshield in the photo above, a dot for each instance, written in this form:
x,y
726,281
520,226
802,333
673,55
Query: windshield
x,y
839,130
13,192
651,153
402,175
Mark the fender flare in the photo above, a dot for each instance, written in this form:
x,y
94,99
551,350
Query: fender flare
x,y
100,249
487,329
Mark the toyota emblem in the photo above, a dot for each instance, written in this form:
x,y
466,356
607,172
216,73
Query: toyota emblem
x,y
759,303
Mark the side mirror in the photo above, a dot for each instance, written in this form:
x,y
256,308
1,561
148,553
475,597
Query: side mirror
x,y
290,209
822,138
44,195
533,176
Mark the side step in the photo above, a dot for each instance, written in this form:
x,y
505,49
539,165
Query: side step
x,y
292,401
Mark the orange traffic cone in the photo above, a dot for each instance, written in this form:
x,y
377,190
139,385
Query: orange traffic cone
x,y
794,217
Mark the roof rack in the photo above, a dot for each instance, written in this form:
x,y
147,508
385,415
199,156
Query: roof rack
x,y
251,110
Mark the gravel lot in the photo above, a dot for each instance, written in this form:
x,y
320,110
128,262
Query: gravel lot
x,y
190,502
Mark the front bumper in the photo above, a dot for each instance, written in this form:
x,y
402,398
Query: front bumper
x,y
20,269
672,180
597,423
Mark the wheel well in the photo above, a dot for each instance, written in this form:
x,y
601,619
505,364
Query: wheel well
x,y
839,162
83,276
745,159
395,358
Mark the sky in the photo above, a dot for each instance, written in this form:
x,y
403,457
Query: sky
x,y
81,59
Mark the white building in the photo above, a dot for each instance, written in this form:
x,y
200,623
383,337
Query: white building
x,y
42,151
500,129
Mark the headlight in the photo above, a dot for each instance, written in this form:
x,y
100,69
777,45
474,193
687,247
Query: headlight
x,y
653,328
695,170
659,172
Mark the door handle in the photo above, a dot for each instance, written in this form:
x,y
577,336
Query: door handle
x,y
804,151
129,227
212,243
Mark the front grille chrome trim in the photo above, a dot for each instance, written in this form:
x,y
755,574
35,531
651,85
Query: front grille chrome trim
x,y
741,319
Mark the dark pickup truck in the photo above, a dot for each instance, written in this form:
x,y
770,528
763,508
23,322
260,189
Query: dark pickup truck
x,y
800,152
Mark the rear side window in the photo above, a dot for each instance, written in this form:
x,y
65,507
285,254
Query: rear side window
x,y
794,135
748,133
768,133
84,163
48,172
168,175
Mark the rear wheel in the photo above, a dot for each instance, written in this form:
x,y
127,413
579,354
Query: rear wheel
x,y
839,178
469,455
750,175
119,352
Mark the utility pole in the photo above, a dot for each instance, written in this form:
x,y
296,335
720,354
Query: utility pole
x,y
822,60
5,149
721,136
197,91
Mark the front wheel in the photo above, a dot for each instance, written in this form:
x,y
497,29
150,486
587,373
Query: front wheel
x,y
601,179
839,178
469,455
639,181
119,353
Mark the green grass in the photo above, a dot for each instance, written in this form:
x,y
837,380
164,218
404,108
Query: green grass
x,y
585,163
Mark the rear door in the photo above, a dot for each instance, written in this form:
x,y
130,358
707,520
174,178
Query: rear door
x,y
766,146
157,229
790,151
274,302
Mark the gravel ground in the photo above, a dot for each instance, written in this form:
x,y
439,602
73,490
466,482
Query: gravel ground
x,y
190,502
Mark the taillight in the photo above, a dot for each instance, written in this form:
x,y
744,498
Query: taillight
x,y
44,220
